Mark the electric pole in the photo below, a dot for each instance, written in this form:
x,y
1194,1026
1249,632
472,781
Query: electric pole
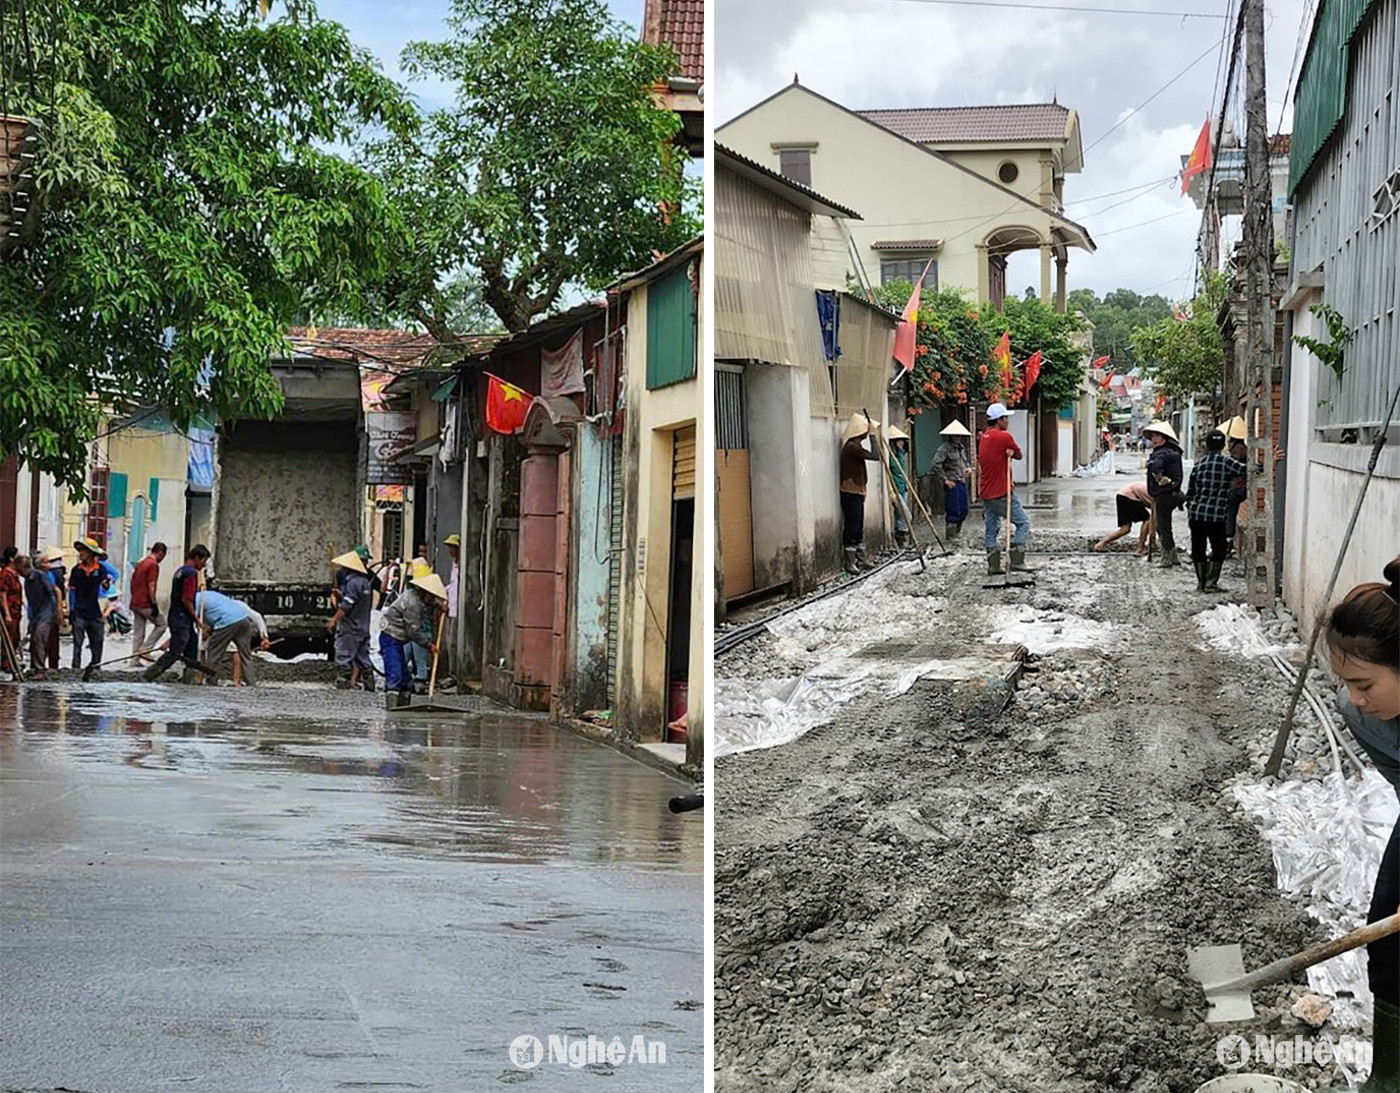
x,y
1258,244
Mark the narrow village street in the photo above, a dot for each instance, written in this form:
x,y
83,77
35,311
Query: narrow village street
x,y
286,888
960,870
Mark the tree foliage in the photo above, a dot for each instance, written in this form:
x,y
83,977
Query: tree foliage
x,y
1115,317
955,338
185,210
553,167
1187,355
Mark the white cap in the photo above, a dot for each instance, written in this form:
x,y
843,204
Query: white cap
x,y
996,411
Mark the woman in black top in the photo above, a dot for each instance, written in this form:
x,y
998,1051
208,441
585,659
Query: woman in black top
x,y
1164,475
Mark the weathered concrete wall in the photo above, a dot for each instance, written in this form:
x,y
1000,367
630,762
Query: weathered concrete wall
x,y
585,684
288,499
777,402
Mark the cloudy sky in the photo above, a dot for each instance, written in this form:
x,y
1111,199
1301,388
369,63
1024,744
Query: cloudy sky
x,y
898,53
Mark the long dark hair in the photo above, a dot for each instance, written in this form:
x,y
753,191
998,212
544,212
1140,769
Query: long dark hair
x,y
1366,625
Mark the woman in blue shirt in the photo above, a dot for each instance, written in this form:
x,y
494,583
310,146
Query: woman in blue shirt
x,y
1363,641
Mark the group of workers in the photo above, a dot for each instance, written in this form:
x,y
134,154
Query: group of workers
x,y
412,624
1214,495
53,597
995,451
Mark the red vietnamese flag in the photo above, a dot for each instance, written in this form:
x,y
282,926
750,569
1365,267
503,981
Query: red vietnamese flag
x,y
1032,372
506,405
906,332
1200,158
1161,401
1099,362
1107,380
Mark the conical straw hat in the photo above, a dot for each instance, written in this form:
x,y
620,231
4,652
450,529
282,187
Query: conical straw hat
x,y
956,429
857,427
432,584
894,432
1234,428
1165,429
350,560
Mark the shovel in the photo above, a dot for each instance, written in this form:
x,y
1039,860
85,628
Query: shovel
x,y
1220,969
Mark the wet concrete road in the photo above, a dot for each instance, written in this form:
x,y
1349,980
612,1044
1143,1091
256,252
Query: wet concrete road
x,y
299,893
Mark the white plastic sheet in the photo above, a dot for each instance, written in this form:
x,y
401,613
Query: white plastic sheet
x,y
1238,628
1327,838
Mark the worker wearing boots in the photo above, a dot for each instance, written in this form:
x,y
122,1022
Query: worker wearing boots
x,y
1207,505
1164,475
350,623
1363,644
994,455
951,464
899,472
854,455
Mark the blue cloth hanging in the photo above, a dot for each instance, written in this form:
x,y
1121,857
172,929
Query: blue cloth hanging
x,y
829,316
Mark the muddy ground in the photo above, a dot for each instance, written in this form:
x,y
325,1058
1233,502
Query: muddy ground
x,y
929,892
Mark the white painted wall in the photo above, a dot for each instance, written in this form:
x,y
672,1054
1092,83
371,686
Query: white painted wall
x,y
1323,483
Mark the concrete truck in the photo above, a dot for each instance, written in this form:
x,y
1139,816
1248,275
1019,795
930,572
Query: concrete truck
x,y
289,495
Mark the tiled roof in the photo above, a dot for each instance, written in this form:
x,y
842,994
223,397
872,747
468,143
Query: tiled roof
x,y
389,348
1280,144
681,25
967,124
907,244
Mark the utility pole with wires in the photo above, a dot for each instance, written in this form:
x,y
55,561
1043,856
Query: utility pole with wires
x,y
1258,265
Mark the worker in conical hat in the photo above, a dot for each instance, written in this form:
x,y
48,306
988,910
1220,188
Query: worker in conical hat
x,y
354,600
410,619
1164,478
898,441
953,469
854,455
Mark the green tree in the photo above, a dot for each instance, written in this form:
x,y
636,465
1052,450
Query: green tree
x,y
185,209
554,166
1185,356
1034,327
1115,317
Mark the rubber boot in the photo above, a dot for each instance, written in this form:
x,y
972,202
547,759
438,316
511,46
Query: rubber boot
x,y
954,530
367,679
862,560
1018,561
849,560
994,563
1385,1049
1213,576
1200,568
1170,557
901,539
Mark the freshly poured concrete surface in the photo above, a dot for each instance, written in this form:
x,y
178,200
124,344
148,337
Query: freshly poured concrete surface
x,y
294,891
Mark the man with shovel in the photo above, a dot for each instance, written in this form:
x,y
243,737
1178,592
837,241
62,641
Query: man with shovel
x,y
995,452
184,618
854,456
350,623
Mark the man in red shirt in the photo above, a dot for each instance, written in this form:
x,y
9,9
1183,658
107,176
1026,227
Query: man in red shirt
x,y
143,601
995,452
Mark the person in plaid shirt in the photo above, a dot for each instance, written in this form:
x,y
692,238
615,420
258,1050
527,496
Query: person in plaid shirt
x,y
1207,506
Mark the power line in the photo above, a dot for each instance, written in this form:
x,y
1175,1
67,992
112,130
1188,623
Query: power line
x,y
1144,223
912,224
1083,10
1102,137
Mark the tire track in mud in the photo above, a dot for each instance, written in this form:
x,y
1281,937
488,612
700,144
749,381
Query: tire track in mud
x,y
904,902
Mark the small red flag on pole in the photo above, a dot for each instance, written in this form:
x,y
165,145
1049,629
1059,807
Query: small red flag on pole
x,y
1032,372
1200,158
506,405
1099,362
1107,380
906,332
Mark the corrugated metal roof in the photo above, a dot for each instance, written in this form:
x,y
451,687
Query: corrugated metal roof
x,y
392,348
1321,97
907,244
804,197
681,25
974,124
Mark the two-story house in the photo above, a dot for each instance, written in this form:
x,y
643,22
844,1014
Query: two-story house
x,y
960,187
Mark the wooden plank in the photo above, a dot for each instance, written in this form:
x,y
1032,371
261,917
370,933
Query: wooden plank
x,y
734,502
